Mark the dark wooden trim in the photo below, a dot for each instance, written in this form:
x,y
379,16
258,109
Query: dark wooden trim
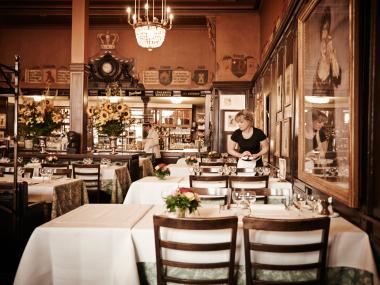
x,y
227,85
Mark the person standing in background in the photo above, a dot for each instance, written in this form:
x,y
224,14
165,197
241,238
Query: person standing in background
x,y
152,142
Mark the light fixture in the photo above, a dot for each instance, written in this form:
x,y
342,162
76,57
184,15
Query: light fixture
x,y
176,100
317,99
150,30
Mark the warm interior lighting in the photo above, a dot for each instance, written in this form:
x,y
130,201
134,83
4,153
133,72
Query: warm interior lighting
x,y
150,30
176,100
317,99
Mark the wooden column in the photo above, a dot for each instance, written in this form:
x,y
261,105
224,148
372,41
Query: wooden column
x,y
78,75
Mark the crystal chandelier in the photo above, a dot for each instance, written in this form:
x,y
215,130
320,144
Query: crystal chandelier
x,y
150,30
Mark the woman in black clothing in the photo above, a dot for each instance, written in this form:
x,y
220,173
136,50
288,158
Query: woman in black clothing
x,y
248,141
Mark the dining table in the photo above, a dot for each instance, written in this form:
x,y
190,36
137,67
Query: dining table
x,y
151,190
63,193
114,244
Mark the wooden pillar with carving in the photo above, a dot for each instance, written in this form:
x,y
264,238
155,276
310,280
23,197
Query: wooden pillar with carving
x,y
78,74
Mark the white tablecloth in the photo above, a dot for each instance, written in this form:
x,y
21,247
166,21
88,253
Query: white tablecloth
x,y
150,190
348,245
90,245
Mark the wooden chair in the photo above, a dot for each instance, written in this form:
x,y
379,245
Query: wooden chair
x,y
213,195
296,226
220,181
250,181
210,171
28,172
245,171
90,174
194,224
209,164
59,169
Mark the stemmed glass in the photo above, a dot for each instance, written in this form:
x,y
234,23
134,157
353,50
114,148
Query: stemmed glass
x,y
312,200
197,169
286,202
20,172
232,170
20,159
220,170
259,170
238,197
251,199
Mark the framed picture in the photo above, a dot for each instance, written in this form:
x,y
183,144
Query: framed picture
x,y
229,121
33,75
278,140
328,84
2,135
282,168
232,102
3,121
285,139
279,93
288,84
49,75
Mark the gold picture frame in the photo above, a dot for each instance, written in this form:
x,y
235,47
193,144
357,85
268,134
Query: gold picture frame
x,y
277,149
285,138
328,97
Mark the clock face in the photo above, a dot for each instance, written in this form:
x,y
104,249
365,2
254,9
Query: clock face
x,y
107,67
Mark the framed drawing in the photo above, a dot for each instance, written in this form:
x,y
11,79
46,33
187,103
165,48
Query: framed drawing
x,y
282,168
232,102
229,121
285,139
3,121
278,140
49,75
288,84
327,77
279,93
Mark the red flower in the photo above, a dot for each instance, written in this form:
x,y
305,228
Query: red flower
x,y
184,190
161,165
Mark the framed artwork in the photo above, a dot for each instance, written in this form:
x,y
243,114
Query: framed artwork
x,y
328,98
2,135
278,140
285,139
282,168
229,121
279,94
49,75
232,102
3,121
33,75
288,84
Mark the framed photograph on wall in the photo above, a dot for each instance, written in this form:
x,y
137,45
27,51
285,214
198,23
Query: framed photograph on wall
x,y
277,142
288,84
279,94
230,124
328,73
285,139
3,121
232,102
282,168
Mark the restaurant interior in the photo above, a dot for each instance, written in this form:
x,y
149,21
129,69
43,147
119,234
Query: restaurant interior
x,y
119,156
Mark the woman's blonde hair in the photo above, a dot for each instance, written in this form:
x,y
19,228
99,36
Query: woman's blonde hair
x,y
246,115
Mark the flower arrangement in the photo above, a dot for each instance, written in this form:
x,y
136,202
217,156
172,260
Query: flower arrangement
x,y
39,118
110,118
161,171
224,155
183,199
51,158
191,159
213,154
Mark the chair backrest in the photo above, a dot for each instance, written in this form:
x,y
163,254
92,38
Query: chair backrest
x,y
59,169
211,195
28,172
212,170
7,168
245,171
90,174
208,225
262,194
220,181
213,163
261,244
248,181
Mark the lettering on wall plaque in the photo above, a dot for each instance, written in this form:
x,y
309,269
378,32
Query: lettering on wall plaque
x,y
33,75
163,93
63,76
181,77
150,77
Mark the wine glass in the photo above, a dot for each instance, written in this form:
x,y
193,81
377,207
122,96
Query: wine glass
x,y
238,197
312,201
20,159
251,199
197,170
20,172
286,202
259,170
232,170
220,170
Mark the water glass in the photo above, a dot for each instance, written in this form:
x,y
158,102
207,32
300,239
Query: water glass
x,y
286,202
197,169
232,170
312,201
20,159
20,172
251,199
238,197
259,170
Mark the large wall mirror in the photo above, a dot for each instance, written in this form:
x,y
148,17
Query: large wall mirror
x,y
327,74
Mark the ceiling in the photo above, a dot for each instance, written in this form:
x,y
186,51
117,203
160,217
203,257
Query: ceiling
x,y
112,12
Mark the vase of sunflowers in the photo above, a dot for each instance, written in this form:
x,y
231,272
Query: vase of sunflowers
x,y
110,119
39,119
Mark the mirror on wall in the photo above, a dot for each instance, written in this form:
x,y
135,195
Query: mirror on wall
x,y
327,142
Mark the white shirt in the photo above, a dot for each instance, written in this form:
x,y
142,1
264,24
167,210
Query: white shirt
x,y
152,143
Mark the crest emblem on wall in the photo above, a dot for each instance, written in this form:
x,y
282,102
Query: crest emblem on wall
x,y
165,76
238,64
200,76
